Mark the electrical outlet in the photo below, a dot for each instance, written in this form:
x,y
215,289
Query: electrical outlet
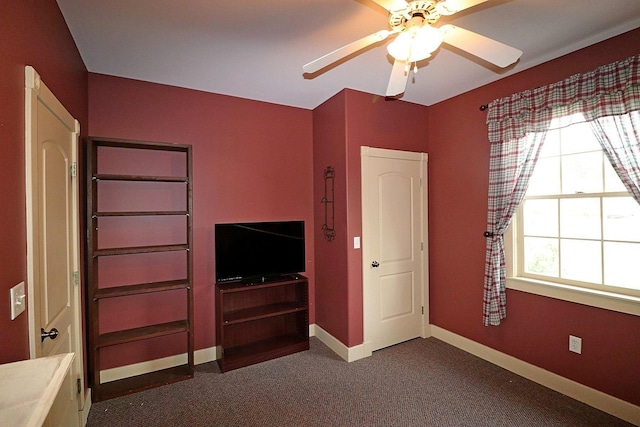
x,y
575,344
18,300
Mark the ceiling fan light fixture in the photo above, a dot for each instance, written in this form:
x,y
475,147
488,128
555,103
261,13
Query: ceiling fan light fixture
x,y
416,43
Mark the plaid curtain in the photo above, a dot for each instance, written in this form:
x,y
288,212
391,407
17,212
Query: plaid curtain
x,y
620,140
511,166
517,126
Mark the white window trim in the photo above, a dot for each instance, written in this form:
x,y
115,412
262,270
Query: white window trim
x,y
591,297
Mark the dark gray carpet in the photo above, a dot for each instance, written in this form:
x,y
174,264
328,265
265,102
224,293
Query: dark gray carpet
x,y
423,382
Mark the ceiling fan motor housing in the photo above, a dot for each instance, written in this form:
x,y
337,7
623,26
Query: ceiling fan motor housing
x,y
424,10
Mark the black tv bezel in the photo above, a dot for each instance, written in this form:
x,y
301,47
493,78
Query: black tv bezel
x,y
263,276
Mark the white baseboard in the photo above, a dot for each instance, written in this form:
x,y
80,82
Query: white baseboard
x,y
84,412
206,355
350,354
114,374
592,397
201,356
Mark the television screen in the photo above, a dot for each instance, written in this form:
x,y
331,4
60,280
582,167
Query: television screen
x,y
259,250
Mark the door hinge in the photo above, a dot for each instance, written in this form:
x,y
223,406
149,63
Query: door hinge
x,y
423,309
76,278
422,246
420,182
74,169
79,385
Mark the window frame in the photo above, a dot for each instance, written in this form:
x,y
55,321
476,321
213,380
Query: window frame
x,y
587,296
594,296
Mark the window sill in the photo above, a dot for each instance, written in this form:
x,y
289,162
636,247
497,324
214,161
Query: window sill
x,y
607,300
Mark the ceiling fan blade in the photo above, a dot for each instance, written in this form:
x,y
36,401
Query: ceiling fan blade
x,y
398,79
449,7
483,47
393,5
344,51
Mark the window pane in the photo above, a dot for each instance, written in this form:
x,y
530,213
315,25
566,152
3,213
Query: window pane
x,y
582,173
551,145
612,182
541,218
580,218
621,218
579,138
571,230
541,256
581,260
621,265
545,178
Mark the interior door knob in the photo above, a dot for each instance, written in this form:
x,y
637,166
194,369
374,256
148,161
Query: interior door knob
x,y
375,264
53,334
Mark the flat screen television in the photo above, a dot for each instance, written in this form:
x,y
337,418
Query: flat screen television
x,y
259,251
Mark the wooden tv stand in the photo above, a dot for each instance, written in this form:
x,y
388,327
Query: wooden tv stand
x,y
260,321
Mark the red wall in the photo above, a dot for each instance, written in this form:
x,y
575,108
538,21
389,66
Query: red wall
x,y
536,328
32,32
257,161
252,161
329,128
342,125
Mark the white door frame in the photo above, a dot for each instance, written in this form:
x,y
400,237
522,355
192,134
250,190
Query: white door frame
x,y
366,153
35,89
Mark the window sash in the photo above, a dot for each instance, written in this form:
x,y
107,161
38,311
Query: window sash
x,y
519,237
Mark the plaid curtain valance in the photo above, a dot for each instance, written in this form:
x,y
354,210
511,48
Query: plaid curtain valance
x,y
612,89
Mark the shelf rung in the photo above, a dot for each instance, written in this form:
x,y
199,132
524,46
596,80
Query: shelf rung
x,y
229,287
139,250
141,288
140,145
146,381
145,332
263,312
139,213
143,178
261,351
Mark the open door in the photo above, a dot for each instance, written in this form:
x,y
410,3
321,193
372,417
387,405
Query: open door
x,y
52,241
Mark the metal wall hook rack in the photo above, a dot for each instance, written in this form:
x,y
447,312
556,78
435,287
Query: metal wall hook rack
x,y
329,213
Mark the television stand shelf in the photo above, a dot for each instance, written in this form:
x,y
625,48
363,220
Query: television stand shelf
x,y
260,321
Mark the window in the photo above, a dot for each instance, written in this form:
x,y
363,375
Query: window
x,y
578,226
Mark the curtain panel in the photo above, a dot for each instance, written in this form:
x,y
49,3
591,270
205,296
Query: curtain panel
x,y
517,126
619,137
511,167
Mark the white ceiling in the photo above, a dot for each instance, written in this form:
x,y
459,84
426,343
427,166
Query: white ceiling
x,y
255,49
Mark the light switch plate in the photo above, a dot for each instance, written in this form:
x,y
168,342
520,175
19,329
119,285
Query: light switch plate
x,y
575,344
18,300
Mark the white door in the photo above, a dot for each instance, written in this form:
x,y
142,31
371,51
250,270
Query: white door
x,y
52,240
394,253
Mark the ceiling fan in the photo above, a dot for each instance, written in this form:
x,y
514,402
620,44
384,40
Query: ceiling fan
x,y
417,38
